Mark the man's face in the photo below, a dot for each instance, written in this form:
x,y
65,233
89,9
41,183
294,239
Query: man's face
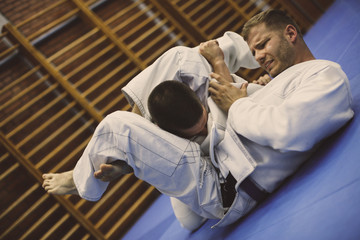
x,y
199,129
271,49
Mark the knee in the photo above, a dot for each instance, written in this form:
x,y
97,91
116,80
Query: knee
x,y
187,218
192,224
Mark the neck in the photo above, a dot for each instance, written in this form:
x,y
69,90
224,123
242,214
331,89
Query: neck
x,y
304,53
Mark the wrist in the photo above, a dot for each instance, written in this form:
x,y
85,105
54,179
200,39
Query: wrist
x,y
218,62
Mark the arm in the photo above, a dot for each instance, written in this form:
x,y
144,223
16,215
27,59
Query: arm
x,y
215,56
180,64
236,52
319,106
224,93
227,54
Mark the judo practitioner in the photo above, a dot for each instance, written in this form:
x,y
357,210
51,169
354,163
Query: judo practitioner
x,y
266,137
181,64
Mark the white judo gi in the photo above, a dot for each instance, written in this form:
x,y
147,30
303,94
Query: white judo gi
x,y
268,134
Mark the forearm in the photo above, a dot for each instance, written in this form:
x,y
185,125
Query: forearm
x,y
221,68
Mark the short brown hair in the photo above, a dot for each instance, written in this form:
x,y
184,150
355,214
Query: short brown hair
x,y
173,106
273,19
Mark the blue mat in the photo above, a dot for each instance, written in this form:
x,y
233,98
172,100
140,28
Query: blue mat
x,y
322,200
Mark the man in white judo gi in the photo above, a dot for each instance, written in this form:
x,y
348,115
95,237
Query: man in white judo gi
x,y
268,134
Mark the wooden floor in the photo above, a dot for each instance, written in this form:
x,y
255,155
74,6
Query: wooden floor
x,y
62,66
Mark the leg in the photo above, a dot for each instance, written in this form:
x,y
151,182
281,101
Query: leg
x,y
63,183
59,183
187,218
105,147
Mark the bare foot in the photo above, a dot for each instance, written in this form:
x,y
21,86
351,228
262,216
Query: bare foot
x,y
111,171
59,183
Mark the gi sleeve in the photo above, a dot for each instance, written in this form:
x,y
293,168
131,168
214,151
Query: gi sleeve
x,y
189,66
180,64
302,116
236,52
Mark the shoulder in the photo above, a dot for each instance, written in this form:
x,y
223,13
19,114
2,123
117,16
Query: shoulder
x,y
324,70
314,66
313,69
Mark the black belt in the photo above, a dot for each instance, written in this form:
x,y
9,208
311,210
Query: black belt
x,y
253,190
228,191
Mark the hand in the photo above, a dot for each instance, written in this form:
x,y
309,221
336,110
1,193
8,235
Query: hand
x,y
211,51
224,94
215,56
263,80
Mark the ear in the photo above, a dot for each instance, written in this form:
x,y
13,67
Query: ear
x,y
290,33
